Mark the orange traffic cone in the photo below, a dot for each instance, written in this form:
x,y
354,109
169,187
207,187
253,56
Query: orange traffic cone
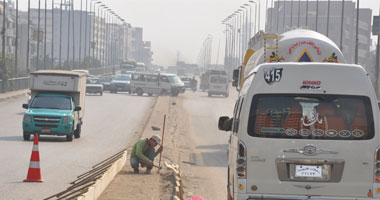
x,y
34,172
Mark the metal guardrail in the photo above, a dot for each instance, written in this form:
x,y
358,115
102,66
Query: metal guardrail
x,y
15,84
22,83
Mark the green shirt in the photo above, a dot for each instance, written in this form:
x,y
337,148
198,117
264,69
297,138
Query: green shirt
x,y
139,148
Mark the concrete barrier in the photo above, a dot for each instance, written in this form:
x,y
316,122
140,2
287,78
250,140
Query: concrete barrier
x,y
101,184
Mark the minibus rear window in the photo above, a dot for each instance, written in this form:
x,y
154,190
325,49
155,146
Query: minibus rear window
x,y
327,117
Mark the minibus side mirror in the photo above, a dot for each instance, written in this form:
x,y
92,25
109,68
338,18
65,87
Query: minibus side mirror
x,y
225,123
78,108
235,75
26,106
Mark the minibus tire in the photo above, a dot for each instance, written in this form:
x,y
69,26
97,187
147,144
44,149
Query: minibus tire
x,y
139,91
175,93
209,94
26,136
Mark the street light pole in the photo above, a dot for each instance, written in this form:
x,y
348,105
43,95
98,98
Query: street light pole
x,y
3,49
28,45
60,36
38,35
291,14
316,18
307,12
341,27
68,36
328,18
80,34
52,35
45,35
357,33
16,50
72,11
299,12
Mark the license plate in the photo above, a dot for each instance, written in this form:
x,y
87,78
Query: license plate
x,y
45,130
312,171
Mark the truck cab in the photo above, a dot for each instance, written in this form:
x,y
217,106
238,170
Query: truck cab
x,y
56,106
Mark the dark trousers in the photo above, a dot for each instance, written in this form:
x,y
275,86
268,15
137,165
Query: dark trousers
x,y
135,161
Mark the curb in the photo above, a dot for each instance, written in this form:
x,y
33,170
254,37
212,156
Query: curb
x,y
101,184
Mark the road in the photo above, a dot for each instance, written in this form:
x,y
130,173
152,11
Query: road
x,y
109,123
211,143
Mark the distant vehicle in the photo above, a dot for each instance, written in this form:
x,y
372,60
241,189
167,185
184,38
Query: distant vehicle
x,y
57,104
187,81
140,67
106,81
205,77
156,69
94,86
218,85
121,83
127,65
82,71
156,83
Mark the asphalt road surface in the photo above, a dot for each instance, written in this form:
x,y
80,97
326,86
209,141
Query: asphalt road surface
x,y
109,123
212,143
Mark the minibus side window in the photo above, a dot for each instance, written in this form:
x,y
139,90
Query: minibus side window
x,y
164,79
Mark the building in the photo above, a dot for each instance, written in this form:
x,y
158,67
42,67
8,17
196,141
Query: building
x,y
285,16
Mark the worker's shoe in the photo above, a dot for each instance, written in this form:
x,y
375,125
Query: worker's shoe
x,y
136,171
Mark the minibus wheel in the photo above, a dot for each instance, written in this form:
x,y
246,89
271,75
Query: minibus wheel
x,y
139,91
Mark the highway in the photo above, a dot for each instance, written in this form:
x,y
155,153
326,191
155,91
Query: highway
x,y
109,123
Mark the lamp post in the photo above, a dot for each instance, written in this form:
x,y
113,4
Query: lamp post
x,y
95,22
341,27
16,50
28,43
299,12
307,12
68,36
60,36
244,26
38,33
291,13
52,35
80,34
357,33
250,19
45,35
328,18
316,17
3,48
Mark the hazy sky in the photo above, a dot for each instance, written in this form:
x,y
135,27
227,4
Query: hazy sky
x,y
182,25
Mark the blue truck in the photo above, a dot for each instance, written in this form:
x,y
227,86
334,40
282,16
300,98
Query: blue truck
x,y
56,106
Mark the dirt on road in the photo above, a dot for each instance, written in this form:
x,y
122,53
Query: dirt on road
x,y
179,148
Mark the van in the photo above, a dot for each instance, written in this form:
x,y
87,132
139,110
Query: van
x,y
304,131
156,83
218,85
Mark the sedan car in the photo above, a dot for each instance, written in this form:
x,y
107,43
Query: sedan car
x,y
106,81
122,83
187,81
94,86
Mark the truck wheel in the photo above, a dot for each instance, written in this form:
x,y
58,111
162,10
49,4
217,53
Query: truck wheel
x,y
150,94
101,93
139,91
69,137
78,131
26,137
209,94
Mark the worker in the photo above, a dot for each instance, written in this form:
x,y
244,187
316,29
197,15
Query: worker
x,y
143,153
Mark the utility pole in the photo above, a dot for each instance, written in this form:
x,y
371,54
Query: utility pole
x,y
3,50
52,35
45,29
68,34
341,28
80,35
16,50
28,45
328,18
357,34
60,36
38,35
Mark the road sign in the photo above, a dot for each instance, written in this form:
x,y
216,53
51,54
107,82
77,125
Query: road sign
x,y
376,25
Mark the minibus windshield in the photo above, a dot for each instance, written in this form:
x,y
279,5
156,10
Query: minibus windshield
x,y
302,116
